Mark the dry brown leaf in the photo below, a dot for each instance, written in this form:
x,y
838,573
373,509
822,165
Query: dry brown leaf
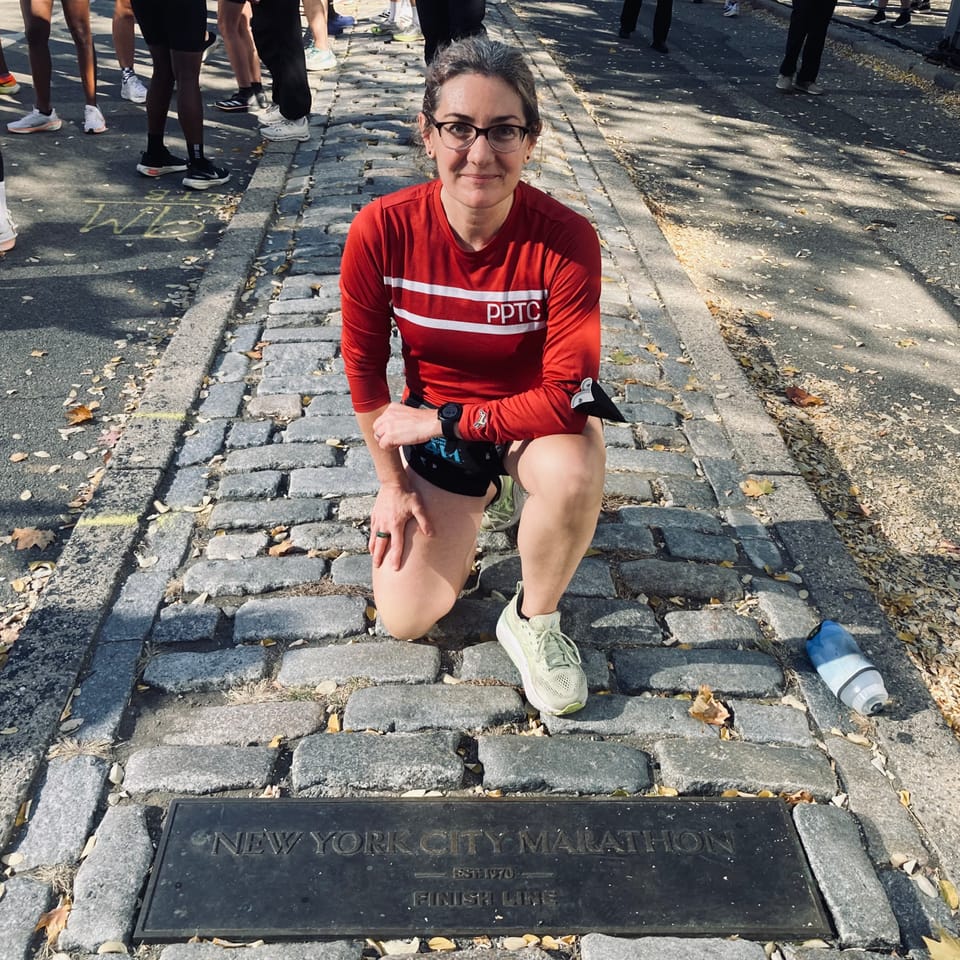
x,y
54,921
753,487
946,948
27,537
518,943
440,944
708,709
800,796
800,397
18,457
79,414
279,549
333,724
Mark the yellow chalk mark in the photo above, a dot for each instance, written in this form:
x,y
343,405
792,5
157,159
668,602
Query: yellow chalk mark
x,y
109,520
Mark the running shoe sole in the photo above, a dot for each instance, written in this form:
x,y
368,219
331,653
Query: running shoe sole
x,y
43,128
202,184
146,170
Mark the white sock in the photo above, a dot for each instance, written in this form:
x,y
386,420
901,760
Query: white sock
x,y
404,11
3,197
393,11
415,18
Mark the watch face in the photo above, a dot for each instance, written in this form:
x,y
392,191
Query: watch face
x,y
450,411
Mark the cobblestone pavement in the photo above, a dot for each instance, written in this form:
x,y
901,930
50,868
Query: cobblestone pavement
x,y
242,639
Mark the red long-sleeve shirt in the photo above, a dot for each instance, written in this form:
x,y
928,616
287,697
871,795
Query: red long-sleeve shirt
x,y
509,331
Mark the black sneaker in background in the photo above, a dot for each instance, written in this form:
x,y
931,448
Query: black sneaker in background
x,y
902,21
157,166
203,175
878,17
238,102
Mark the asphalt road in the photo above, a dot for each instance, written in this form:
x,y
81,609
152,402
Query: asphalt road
x,y
825,227
104,264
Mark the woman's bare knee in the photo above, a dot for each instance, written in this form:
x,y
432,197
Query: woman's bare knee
x,y
406,623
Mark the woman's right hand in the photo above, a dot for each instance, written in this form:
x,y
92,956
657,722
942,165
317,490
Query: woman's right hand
x,y
393,510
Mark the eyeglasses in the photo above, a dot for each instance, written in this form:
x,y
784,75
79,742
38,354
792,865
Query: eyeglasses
x,y
458,135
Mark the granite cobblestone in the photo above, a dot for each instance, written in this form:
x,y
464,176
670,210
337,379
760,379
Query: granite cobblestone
x,y
423,707
391,662
198,770
299,618
561,765
107,885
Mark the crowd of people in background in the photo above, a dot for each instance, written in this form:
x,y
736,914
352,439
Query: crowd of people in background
x,y
177,37
269,32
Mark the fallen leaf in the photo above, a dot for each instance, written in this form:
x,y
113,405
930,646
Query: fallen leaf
x,y
79,414
54,921
279,549
441,943
800,397
27,537
19,457
752,487
396,948
111,946
800,796
707,709
333,724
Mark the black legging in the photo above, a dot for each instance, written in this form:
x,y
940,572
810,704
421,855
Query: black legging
x,y
276,32
661,18
806,36
442,21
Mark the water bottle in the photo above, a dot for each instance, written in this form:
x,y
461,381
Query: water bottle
x,y
845,670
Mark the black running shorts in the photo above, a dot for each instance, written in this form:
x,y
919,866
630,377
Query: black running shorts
x,y
178,24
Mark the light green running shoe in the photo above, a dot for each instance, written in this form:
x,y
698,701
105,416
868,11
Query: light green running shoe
x,y
548,660
504,512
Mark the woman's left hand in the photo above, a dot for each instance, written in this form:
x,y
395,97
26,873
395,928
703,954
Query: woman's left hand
x,y
400,425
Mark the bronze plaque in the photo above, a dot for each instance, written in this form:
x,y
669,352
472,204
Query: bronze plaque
x,y
404,867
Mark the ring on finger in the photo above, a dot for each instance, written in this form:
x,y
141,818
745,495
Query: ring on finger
x,y
383,535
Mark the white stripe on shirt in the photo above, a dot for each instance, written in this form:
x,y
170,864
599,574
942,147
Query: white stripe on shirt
x,y
481,296
497,330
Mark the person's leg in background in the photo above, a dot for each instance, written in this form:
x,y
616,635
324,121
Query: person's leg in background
x,y
77,15
131,86
435,26
318,55
8,229
233,19
277,34
629,14
8,82
662,17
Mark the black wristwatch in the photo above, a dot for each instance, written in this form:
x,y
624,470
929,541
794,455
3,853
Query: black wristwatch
x,y
449,416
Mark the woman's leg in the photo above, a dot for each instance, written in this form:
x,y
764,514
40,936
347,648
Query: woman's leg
x,y
186,71
123,35
160,91
77,14
36,25
434,569
232,27
563,477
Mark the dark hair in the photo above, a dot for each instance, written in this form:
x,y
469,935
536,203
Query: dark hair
x,y
489,58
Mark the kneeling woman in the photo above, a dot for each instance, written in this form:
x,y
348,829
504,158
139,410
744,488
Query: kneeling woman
x,y
494,288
